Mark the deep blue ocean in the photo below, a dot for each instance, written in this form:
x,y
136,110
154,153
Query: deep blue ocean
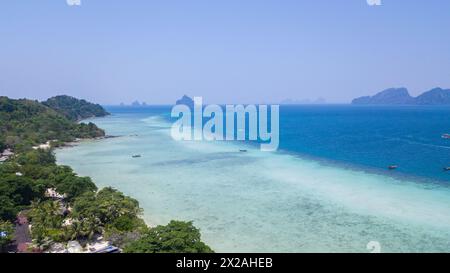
x,y
371,137
362,137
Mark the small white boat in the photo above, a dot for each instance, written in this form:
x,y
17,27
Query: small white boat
x,y
446,136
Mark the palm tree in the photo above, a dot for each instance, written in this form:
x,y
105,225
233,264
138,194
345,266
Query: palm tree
x,y
91,226
75,230
83,228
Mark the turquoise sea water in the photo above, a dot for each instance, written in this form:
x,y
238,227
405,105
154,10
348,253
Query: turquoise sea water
x,y
326,190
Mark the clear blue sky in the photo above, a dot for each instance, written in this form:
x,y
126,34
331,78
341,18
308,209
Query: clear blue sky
x,y
228,51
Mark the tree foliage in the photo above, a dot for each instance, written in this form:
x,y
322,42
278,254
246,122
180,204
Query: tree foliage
x,y
25,123
46,218
109,205
6,234
2,146
27,177
16,192
75,109
176,237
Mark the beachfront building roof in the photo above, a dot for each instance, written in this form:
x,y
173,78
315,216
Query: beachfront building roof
x,y
74,247
44,146
58,248
52,193
67,222
109,249
7,153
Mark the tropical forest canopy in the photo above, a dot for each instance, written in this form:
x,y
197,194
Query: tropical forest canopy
x,y
26,123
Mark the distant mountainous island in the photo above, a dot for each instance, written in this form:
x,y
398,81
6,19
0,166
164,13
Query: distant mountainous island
x,y
401,96
186,100
135,103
